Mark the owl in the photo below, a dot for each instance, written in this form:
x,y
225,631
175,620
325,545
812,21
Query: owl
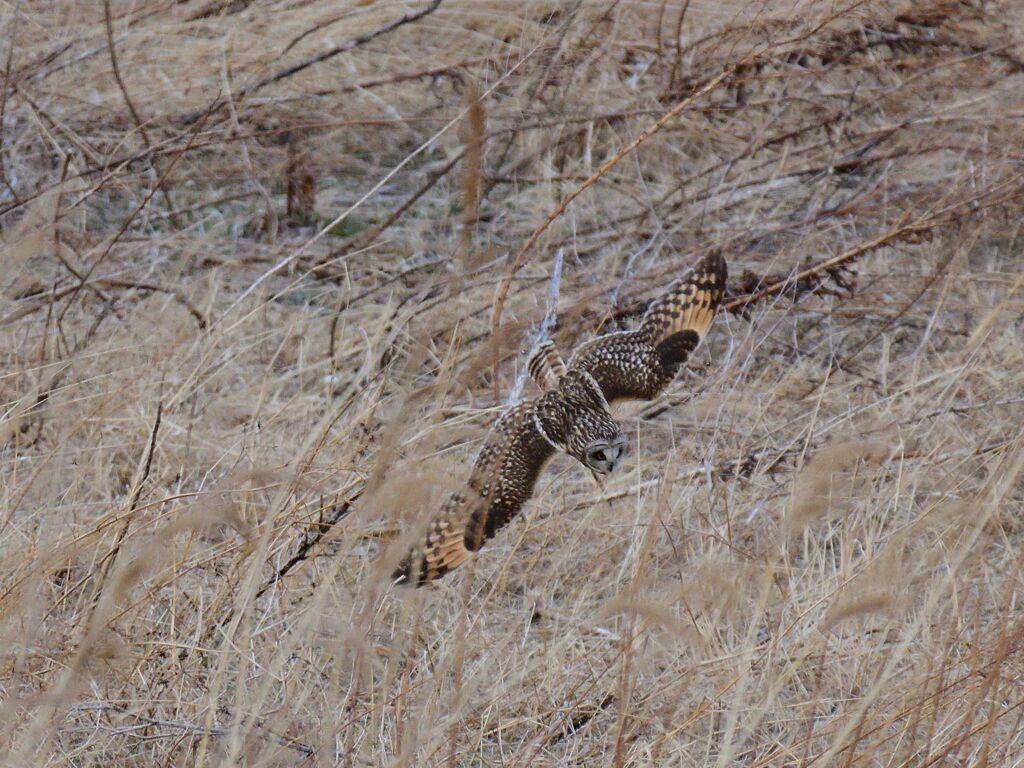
x,y
571,416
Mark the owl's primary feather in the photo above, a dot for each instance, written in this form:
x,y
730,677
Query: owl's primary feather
x,y
571,416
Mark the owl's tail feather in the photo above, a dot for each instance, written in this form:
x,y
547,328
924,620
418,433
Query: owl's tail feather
x,y
443,549
683,315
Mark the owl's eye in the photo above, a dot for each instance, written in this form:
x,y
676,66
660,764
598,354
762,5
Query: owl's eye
x,y
601,456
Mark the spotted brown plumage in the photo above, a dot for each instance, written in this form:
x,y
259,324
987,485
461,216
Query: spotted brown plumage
x,y
570,416
499,484
639,364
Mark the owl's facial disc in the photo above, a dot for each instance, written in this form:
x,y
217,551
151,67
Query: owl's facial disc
x,y
601,456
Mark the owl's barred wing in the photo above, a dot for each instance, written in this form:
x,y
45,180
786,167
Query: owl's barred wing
x,y
442,548
639,364
501,482
505,471
689,305
546,366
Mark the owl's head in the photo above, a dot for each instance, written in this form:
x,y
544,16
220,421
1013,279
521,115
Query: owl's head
x,y
593,437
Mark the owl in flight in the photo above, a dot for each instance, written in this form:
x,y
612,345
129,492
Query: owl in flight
x,y
572,416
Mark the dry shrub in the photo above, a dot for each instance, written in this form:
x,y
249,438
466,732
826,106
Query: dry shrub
x,y
323,382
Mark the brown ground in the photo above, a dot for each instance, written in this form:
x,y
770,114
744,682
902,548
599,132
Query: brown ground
x,y
246,317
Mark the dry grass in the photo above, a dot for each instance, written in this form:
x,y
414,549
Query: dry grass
x,y
251,253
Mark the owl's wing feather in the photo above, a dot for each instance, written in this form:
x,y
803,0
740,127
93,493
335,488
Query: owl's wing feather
x,y
500,483
690,304
623,365
639,364
546,366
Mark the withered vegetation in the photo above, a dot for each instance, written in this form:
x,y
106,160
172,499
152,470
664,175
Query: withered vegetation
x,y
269,270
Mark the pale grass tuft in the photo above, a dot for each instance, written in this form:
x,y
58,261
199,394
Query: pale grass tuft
x,y
858,605
719,586
825,484
882,586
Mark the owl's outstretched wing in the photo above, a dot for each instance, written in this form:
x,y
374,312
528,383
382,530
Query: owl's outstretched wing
x,y
500,483
640,364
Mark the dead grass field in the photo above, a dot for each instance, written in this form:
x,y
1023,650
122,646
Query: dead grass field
x,y
260,260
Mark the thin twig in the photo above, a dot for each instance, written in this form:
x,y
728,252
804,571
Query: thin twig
x,y
355,42
902,231
339,512
117,74
142,474
171,290
131,217
182,725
